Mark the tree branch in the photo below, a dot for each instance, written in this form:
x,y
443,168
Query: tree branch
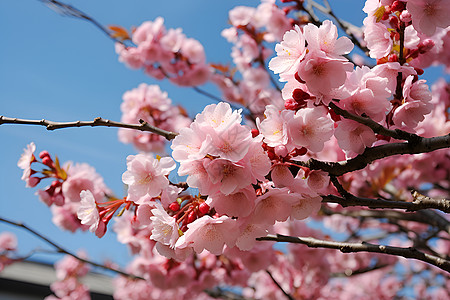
x,y
362,247
62,250
424,217
377,128
51,125
423,145
70,11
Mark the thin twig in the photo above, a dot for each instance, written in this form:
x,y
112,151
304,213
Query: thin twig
x,y
62,250
279,286
362,247
70,11
51,125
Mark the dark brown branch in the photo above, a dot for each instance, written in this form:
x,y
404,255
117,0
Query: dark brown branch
x,y
425,217
380,203
423,145
279,286
64,251
362,247
51,125
377,128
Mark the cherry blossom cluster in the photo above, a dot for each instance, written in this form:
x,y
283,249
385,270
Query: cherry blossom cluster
x,y
69,271
150,104
166,53
63,195
251,28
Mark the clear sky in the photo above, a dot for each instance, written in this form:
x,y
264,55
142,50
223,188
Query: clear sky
x,y
64,69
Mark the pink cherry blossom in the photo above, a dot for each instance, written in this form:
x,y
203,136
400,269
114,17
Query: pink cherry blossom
x,y
238,204
354,137
241,15
8,242
325,38
87,211
273,127
275,205
146,176
378,38
426,15
289,52
417,97
210,234
230,176
310,128
24,163
165,229
232,143
218,116
248,232
322,74
82,177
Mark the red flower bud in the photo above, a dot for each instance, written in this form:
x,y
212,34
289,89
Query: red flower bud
x,y
203,208
174,206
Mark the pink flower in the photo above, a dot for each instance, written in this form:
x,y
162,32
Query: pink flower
x,y
369,94
249,231
238,204
416,104
210,234
322,74
241,15
273,127
8,242
310,128
82,177
230,177
304,207
218,116
354,137
165,228
324,38
377,37
428,14
275,205
24,163
146,176
289,52
232,143
87,211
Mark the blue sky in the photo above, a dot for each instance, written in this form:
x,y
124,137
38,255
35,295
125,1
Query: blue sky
x,y
64,69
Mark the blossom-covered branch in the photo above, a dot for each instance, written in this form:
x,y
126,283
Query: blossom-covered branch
x,y
423,145
65,251
51,125
362,247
